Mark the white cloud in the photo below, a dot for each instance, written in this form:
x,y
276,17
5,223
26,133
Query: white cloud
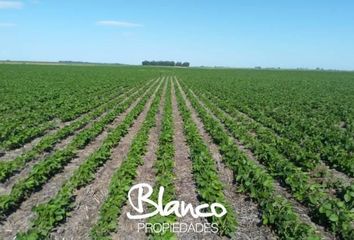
x,y
7,24
11,4
120,24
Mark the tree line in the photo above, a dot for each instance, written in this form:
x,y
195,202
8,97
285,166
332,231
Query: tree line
x,y
165,63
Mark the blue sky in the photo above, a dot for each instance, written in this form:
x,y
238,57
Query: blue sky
x,y
238,33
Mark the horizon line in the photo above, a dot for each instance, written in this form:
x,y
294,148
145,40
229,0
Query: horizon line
x,y
73,62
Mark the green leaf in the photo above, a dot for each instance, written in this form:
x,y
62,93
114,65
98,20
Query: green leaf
x,y
334,218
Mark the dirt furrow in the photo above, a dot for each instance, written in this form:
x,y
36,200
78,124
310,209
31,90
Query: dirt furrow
x,y
5,188
12,154
20,219
301,210
185,185
333,174
127,228
247,212
90,198
9,155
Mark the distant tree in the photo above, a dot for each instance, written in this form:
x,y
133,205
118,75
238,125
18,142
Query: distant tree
x,y
165,63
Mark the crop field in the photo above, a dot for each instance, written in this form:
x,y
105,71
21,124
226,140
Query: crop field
x,y
274,148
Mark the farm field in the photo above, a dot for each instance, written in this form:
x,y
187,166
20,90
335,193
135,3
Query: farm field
x,y
274,147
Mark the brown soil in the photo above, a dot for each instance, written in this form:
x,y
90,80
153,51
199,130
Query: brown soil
x,y
301,210
12,154
247,212
330,176
90,198
333,174
5,188
145,174
20,219
185,185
